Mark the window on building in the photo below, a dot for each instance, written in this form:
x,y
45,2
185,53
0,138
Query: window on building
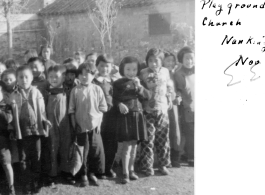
x,y
159,24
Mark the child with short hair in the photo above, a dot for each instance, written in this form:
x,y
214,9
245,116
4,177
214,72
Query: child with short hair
x,y
115,74
91,60
33,124
29,54
157,80
60,133
128,93
11,63
39,79
104,80
104,66
184,83
2,68
86,107
79,56
174,127
70,62
5,144
10,91
70,76
8,78
45,54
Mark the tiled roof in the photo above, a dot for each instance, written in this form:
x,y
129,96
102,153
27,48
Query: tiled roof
x,y
139,3
59,7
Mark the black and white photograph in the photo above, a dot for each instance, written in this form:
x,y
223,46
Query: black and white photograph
x,y
97,97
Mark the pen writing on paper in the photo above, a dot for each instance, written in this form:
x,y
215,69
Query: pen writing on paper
x,y
250,41
254,73
243,61
220,9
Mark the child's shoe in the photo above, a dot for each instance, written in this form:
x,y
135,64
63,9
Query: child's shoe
x,y
70,180
101,176
84,181
175,164
125,179
133,176
52,182
164,171
111,174
11,190
93,179
35,187
149,172
68,177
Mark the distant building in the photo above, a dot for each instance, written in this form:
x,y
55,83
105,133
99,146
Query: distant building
x,y
27,30
140,24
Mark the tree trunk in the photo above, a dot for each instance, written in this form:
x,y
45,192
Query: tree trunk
x,y
110,43
9,35
103,44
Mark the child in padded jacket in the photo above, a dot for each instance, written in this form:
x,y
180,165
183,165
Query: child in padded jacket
x,y
30,119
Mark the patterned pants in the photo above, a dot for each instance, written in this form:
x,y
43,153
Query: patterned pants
x,y
158,139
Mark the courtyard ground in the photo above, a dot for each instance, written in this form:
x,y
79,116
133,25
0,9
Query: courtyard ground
x,y
180,182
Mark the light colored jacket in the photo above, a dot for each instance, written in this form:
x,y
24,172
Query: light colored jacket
x,y
15,100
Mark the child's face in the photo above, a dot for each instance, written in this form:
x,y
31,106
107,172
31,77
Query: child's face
x,y
46,53
130,70
37,68
70,78
104,69
2,69
15,66
86,77
188,60
91,60
169,63
79,59
56,79
9,80
24,79
154,63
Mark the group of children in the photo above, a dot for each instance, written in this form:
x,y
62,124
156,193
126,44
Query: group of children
x,y
107,110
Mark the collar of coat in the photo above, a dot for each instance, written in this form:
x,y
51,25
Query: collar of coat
x,y
101,79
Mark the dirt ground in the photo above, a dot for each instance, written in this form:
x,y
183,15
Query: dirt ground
x,y
179,182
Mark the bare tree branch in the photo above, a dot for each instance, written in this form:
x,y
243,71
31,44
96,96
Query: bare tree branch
x,y
51,32
103,13
8,9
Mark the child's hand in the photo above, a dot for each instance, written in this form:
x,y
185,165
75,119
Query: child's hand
x,y
48,124
179,100
123,108
137,82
